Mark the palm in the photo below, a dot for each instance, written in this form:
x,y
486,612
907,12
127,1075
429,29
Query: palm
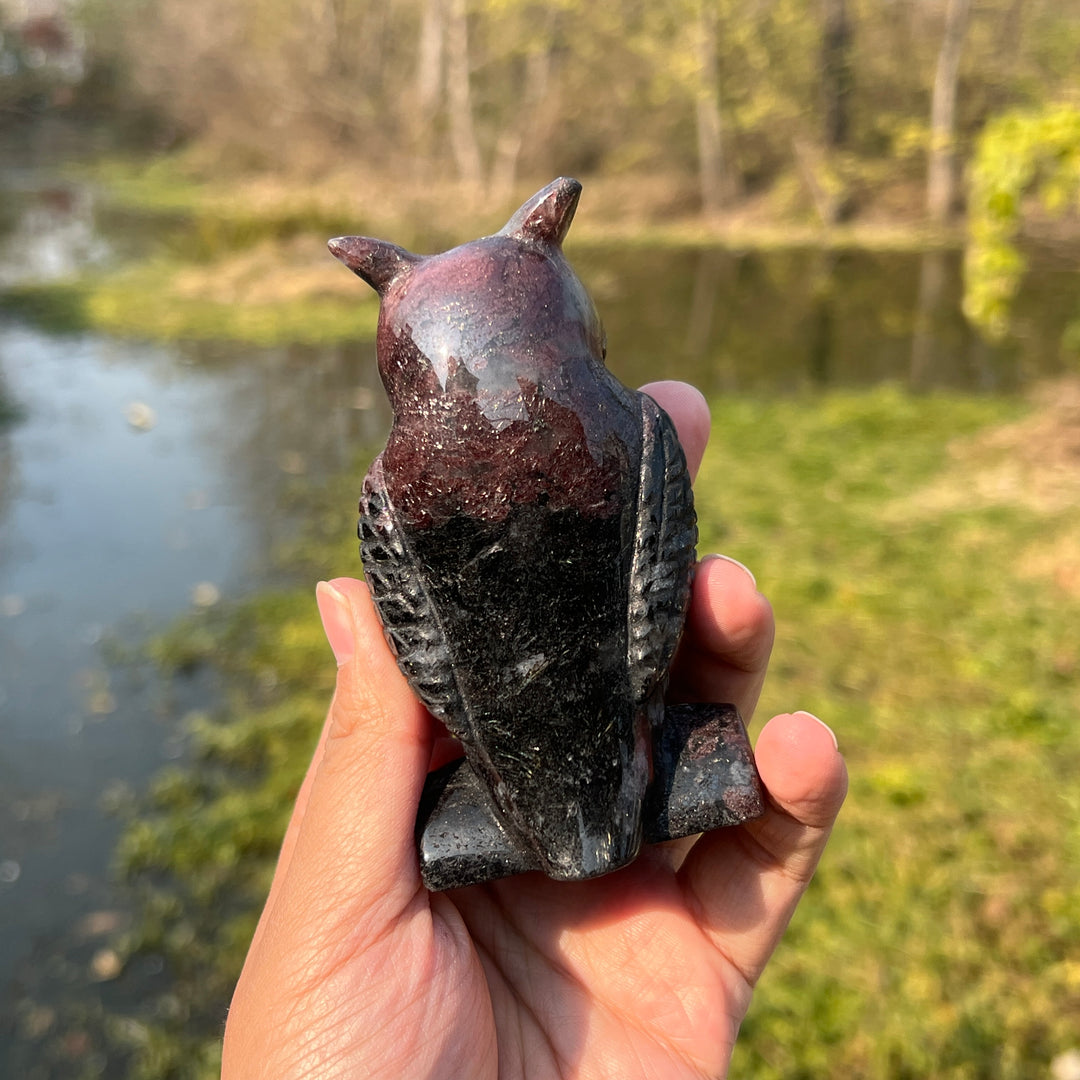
x,y
624,965
612,977
356,970
621,976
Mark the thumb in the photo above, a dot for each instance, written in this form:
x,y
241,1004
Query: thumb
x,y
351,839
348,868
747,880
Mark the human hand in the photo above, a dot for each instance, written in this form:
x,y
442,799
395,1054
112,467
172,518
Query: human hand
x,y
356,970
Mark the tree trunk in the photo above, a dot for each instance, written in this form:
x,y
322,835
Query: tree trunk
x,y
709,132
930,309
941,169
537,79
463,144
713,267
429,65
835,71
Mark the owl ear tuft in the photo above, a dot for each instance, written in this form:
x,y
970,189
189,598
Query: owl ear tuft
x,y
378,262
547,215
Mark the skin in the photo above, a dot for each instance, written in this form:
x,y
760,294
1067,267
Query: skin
x,y
356,970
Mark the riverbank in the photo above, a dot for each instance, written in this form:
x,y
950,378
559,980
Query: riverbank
x,y
275,293
947,897
245,259
659,209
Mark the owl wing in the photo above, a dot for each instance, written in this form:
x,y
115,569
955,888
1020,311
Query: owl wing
x,y
663,555
409,619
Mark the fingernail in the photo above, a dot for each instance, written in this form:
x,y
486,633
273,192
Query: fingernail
x,y
832,734
734,562
336,618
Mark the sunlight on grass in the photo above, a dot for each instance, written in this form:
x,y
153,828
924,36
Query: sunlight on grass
x,y
237,298
941,935
934,940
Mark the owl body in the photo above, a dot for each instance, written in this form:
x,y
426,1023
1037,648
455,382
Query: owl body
x,y
528,535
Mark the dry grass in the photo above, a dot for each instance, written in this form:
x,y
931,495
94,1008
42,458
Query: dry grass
x,y
1033,463
271,272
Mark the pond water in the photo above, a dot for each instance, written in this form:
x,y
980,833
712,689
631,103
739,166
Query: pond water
x,y
139,480
135,484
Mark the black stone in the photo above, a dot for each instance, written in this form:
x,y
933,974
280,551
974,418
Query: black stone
x,y
704,774
528,535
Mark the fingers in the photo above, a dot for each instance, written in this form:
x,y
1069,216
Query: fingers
x,y
350,838
729,630
689,412
745,882
728,638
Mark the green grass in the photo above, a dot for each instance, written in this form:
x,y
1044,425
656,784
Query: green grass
x,y
229,263
232,212
131,306
162,185
941,936
143,303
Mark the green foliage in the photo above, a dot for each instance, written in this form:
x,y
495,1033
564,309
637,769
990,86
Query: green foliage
x,y
141,304
1022,154
940,936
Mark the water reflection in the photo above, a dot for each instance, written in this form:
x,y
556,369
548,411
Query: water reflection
x,y
942,341
113,525
51,235
787,321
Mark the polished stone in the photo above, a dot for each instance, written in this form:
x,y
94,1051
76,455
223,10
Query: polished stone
x,y
528,535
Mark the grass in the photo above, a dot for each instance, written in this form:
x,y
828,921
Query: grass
x,y
649,212
929,615
232,262
270,294
941,936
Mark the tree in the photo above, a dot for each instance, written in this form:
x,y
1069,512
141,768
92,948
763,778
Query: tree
x,y
835,71
941,165
429,74
537,59
707,110
1023,152
463,142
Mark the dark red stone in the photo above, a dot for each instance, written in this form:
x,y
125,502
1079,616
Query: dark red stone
x,y
528,534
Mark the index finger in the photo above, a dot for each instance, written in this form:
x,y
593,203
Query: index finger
x,y
724,652
689,412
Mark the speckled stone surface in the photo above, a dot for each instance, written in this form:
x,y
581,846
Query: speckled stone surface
x,y
528,535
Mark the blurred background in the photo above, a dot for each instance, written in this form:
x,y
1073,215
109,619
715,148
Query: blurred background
x,y
853,223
